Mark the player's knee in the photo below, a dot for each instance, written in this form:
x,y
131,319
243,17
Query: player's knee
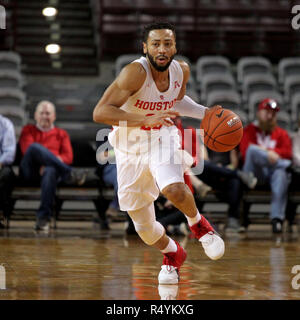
x,y
175,192
149,232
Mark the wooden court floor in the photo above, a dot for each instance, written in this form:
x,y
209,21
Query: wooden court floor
x,y
79,262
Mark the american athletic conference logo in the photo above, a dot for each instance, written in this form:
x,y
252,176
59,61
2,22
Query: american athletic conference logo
x,y
176,85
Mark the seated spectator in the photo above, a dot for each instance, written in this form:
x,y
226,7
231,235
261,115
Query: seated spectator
x,y
220,172
7,156
47,155
266,152
294,186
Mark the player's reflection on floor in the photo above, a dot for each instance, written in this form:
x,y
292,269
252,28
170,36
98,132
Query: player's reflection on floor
x,y
168,291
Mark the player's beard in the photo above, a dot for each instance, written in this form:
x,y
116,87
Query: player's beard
x,y
156,66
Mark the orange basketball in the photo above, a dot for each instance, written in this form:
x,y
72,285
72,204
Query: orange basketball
x,y
223,130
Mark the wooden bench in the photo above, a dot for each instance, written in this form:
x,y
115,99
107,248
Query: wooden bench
x,y
101,195
92,190
250,198
264,197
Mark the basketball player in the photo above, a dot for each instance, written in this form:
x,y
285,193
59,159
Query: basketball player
x,y
146,95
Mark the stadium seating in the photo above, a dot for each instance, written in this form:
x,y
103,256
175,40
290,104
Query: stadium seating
x,y
211,64
211,34
12,97
252,65
72,110
288,66
284,120
191,89
231,28
123,60
10,79
227,98
214,82
18,116
10,60
295,107
257,82
73,28
291,86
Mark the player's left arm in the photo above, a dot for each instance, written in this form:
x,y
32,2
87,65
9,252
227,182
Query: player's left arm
x,y
184,104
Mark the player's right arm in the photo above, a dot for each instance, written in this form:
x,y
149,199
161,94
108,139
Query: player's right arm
x,y
129,81
185,105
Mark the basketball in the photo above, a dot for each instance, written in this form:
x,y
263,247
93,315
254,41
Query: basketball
x,y
223,130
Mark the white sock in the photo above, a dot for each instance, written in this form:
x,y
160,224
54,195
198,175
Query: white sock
x,y
194,220
171,247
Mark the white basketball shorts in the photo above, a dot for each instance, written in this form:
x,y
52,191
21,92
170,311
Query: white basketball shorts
x,y
142,177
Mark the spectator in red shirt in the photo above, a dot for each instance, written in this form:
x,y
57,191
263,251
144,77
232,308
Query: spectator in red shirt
x,y
266,151
47,155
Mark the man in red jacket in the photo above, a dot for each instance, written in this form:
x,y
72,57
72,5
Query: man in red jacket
x,y
266,151
47,155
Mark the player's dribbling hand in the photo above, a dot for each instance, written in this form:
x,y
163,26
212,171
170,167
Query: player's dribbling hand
x,y
160,119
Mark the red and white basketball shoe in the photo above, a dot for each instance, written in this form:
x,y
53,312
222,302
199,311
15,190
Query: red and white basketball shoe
x,y
169,273
212,243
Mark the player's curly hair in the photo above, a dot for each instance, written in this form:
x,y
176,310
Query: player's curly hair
x,y
156,26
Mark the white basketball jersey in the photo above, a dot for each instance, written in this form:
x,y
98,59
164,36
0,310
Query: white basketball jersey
x,y
147,101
